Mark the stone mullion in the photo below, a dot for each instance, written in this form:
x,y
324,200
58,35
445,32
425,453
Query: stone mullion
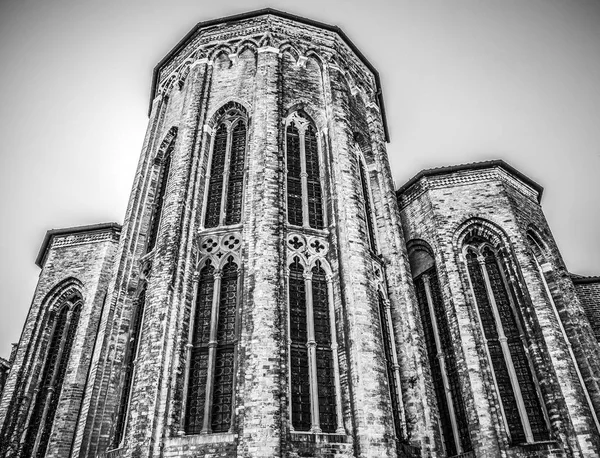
x,y
52,388
442,361
506,352
336,364
395,365
311,344
188,355
303,175
212,350
323,180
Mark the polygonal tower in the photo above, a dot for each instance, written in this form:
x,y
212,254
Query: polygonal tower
x,y
251,307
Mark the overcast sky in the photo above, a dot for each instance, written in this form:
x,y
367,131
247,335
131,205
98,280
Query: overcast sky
x,y
462,80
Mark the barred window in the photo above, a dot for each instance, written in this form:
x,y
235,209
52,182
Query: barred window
x,y
53,374
521,403
225,187
159,196
390,362
129,365
304,193
210,380
312,360
366,203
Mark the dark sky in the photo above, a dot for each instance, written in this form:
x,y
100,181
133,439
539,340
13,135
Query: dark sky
x,y
463,81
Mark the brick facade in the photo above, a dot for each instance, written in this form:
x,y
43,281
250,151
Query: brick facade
x,y
137,374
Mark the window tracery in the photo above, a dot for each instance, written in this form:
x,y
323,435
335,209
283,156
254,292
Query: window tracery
x,y
367,208
304,191
224,192
210,380
50,384
521,404
312,345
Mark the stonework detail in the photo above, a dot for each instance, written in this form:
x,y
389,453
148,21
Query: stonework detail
x,y
261,299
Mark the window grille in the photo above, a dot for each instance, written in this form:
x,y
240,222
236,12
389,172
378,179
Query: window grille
x,y
223,385
300,378
216,377
198,371
368,211
212,216
128,366
161,189
294,172
325,374
236,175
389,364
499,323
313,178
304,193
458,414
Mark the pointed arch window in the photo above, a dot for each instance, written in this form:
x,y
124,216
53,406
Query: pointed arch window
x,y
53,374
211,353
454,427
367,208
524,415
129,366
314,379
304,192
225,186
161,188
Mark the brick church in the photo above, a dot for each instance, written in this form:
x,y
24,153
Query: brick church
x,y
271,294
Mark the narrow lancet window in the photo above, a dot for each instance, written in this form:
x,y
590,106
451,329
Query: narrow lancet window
x,y
294,173
53,375
366,199
163,177
212,215
129,365
524,415
198,371
235,184
300,379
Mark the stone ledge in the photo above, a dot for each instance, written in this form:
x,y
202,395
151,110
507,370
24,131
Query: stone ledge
x,y
199,439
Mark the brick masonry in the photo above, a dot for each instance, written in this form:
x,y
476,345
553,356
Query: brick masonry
x,y
270,65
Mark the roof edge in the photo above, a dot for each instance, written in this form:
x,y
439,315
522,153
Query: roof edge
x,y
581,280
473,166
283,14
100,227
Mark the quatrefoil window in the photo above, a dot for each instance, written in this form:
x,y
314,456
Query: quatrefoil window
x,y
295,242
231,242
317,246
209,245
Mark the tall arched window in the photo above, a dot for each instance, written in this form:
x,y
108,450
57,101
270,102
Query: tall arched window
x,y
52,377
453,423
224,193
304,193
524,415
314,395
164,160
210,380
366,202
129,365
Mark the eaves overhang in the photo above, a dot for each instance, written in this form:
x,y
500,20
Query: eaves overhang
x,y
252,14
473,166
102,227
